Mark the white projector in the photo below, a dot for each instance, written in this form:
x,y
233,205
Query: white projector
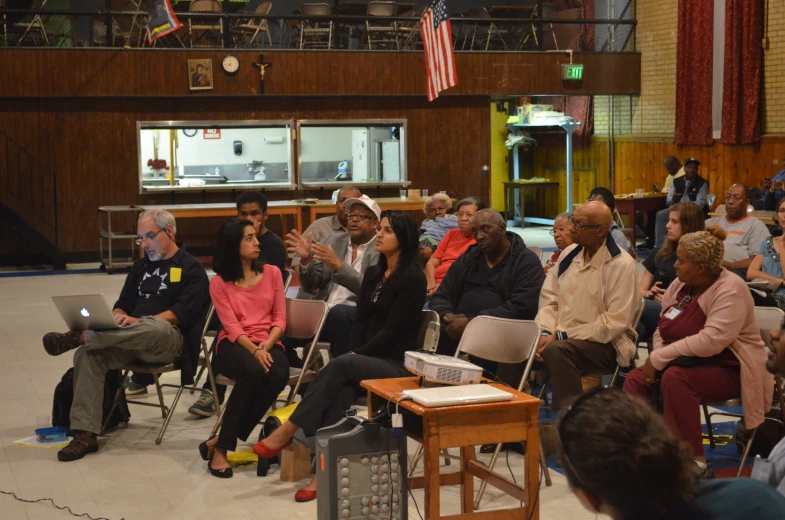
x,y
438,368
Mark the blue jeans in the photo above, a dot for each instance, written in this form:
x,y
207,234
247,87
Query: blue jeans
x,y
649,320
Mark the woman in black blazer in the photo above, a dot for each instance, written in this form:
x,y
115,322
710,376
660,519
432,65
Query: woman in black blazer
x,y
389,315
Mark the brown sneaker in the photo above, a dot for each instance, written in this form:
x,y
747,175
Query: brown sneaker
x,y
80,446
57,343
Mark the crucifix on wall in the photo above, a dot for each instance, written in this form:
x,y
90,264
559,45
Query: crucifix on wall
x,y
262,66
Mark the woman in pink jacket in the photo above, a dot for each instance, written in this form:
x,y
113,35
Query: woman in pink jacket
x,y
707,346
249,299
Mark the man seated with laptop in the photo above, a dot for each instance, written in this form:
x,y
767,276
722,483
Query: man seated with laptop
x,y
159,315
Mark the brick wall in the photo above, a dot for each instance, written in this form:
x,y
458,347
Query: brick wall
x,y
623,107
655,111
774,71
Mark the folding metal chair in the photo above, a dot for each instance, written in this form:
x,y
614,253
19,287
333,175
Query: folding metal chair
x,y
253,26
768,318
635,320
156,370
34,27
379,33
315,34
304,319
203,24
537,251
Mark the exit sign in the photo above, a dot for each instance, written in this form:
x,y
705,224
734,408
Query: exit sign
x,y
571,71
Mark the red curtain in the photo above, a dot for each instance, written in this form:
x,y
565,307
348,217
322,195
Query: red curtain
x,y
743,71
587,40
694,72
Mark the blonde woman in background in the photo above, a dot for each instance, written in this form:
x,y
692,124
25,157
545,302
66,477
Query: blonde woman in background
x,y
439,220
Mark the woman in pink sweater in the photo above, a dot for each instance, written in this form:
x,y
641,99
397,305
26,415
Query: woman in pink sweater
x,y
249,299
709,342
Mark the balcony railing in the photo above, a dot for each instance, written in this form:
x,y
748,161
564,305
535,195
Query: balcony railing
x,y
498,29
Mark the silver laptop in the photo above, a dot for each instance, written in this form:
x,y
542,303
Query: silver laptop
x,y
457,395
85,312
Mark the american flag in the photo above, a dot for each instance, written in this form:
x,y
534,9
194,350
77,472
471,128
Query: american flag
x,y
437,42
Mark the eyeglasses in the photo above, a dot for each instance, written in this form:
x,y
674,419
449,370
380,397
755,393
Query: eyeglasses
x,y
461,215
581,227
149,236
553,231
359,216
733,198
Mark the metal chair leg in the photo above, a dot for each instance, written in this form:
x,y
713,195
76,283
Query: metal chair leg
x,y
169,414
707,416
415,460
546,472
481,491
164,410
746,452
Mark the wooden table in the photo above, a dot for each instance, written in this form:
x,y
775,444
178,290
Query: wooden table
x,y
647,203
767,217
229,209
465,427
509,199
326,207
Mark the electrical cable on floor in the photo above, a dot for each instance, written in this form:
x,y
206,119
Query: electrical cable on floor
x,y
416,506
61,508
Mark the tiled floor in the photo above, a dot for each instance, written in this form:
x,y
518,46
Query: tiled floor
x,y
131,477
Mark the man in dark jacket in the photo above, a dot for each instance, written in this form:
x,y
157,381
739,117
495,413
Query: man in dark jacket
x,y
498,276
160,313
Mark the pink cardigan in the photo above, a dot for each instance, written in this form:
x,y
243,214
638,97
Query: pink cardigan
x,y
730,322
252,311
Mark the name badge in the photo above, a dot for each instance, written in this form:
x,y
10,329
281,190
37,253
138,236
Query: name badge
x,y
175,273
673,312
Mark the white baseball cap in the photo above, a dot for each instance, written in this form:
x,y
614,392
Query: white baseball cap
x,y
366,201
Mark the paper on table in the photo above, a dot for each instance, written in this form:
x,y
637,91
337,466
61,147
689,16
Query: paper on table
x,y
33,442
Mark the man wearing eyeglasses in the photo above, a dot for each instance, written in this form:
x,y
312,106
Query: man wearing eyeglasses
x,y
161,313
334,270
587,306
745,232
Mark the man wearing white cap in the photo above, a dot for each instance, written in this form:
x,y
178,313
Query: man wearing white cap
x,y
335,269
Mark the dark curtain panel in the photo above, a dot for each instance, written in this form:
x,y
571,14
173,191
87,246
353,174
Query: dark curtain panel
x,y
743,71
587,40
694,72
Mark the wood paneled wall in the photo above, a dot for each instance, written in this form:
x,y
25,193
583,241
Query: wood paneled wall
x,y
590,169
141,73
639,164
92,145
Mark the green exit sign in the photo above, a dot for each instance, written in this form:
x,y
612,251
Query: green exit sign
x,y
571,71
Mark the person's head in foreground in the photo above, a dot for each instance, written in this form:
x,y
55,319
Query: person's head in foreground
x,y
465,211
437,205
341,210
155,231
253,206
561,231
603,195
396,241
684,218
736,201
237,250
699,256
622,461
490,232
591,223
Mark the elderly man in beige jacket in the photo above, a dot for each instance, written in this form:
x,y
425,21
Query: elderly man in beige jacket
x,y
587,306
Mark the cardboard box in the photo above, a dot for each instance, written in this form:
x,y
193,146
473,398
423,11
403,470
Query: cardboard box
x,y
525,111
295,463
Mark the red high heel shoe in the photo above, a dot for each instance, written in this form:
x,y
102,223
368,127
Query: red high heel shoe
x,y
304,495
261,449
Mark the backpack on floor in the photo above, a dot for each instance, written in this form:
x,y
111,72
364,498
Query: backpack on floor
x,y
64,397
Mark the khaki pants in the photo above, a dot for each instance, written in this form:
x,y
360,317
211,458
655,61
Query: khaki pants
x,y
152,340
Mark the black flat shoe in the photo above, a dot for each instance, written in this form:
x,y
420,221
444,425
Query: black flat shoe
x,y
204,451
221,473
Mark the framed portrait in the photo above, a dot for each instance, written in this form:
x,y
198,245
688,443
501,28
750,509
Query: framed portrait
x,y
200,74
